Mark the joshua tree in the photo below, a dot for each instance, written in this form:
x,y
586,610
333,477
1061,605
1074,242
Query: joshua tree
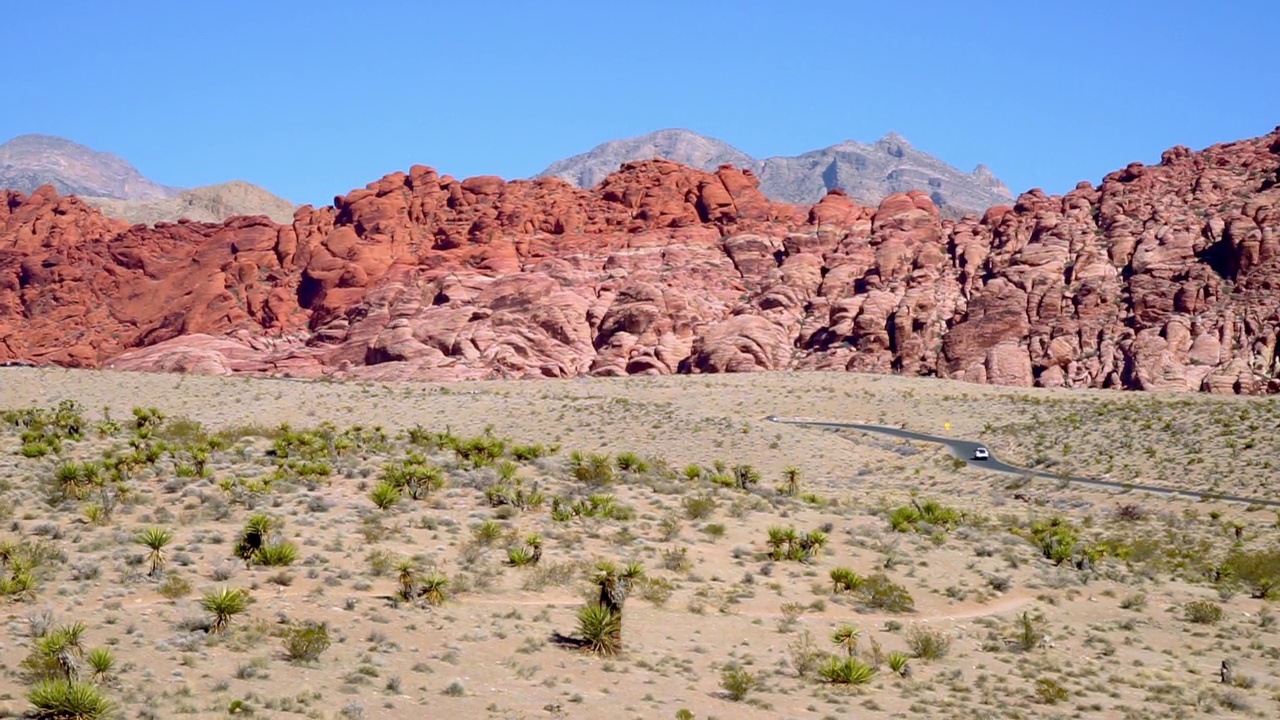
x,y
155,540
254,536
846,636
407,575
615,585
223,605
791,481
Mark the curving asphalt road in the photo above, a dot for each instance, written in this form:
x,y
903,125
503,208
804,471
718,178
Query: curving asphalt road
x,y
963,449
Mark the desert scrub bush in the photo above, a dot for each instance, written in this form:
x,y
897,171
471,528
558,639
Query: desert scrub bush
x,y
631,462
927,643
1203,612
656,591
528,553
926,516
699,507
306,642
591,468
787,544
1049,691
487,533
1029,632
845,671
414,476
384,495
155,540
175,587
1056,538
531,452
1258,571
513,493
222,605
879,592
737,682
69,700
676,559
597,505
844,580
480,451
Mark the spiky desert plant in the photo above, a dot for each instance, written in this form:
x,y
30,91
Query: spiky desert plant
x,y
155,540
487,532
257,530
846,671
385,495
407,577
527,554
844,580
846,636
276,554
791,481
102,662
600,628
434,588
898,662
224,604
69,700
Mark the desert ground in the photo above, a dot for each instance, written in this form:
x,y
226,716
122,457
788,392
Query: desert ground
x,y
431,550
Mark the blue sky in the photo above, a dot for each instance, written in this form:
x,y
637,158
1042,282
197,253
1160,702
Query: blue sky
x,y
312,99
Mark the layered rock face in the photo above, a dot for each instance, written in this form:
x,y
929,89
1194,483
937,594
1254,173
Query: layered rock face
x,y
1164,277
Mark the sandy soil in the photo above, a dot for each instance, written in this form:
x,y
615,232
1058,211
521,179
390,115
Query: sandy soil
x,y
1110,640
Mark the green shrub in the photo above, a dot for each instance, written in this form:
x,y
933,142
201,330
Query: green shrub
x,y
276,554
631,462
70,700
600,628
174,587
487,532
737,682
592,468
844,580
1049,692
306,642
927,643
1259,571
385,495
1204,612
699,507
846,671
881,593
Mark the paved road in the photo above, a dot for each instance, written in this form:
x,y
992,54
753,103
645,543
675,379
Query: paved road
x,y
963,449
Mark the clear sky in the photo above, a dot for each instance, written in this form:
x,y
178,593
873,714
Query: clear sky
x,y
312,99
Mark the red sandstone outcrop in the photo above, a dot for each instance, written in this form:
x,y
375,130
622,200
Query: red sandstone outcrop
x,y
1164,278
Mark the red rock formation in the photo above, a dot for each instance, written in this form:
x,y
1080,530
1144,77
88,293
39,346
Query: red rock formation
x,y
1164,277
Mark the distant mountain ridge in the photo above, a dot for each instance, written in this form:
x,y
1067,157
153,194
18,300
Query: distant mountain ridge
x,y
114,186
30,161
867,172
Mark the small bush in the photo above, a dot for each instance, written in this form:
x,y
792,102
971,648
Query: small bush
x,y
1049,692
71,700
699,507
846,671
881,593
175,587
737,682
276,554
928,643
1203,612
306,642
385,495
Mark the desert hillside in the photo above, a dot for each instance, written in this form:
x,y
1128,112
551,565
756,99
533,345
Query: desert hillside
x,y
1161,277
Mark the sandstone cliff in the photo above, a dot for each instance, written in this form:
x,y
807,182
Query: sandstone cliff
x,y
1162,277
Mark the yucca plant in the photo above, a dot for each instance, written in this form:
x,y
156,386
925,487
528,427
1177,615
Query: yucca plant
x,y
257,530
69,700
385,495
155,540
276,554
898,662
224,604
846,636
487,532
527,554
846,671
600,628
407,577
433,588
102,662
844,580
790,481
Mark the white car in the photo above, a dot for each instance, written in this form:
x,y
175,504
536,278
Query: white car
x,y
981,454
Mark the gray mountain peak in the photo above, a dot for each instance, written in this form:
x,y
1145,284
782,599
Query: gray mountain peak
x,y
867,172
